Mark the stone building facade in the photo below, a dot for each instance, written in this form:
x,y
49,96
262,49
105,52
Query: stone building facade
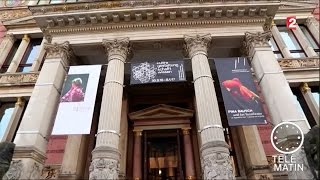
x,y
133,127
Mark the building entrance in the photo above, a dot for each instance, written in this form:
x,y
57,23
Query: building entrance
x,y
163,152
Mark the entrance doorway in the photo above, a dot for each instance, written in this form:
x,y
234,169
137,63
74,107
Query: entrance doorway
x,y
162,154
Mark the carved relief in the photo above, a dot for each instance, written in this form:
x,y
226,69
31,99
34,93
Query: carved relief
x,y
56,50
116,47
35,171
49,172
18,79
197,44
104,168
14,171
217,166
14,14
299,63
264,177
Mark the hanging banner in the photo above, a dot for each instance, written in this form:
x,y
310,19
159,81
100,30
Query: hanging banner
x,y
242,104
157,72
77,100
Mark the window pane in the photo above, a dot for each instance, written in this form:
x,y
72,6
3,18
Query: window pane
x,y
12,52
56,1
273,45
298,55
316,97
289,39
297,103
5,118
311,40
31,53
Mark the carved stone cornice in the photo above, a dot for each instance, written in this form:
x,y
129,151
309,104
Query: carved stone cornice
x,y
116,47
56,50
299,63
18,79
255,40
197,44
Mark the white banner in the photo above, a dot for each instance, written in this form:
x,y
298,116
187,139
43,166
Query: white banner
x,y
77,100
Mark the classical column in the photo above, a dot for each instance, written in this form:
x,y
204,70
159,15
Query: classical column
x,y
14,120
106,155
190,171
311,102
280,42
213,147
313,26
137,155
5,47
74,157
37,62
19,54
255,159
34,130
302,39
274,86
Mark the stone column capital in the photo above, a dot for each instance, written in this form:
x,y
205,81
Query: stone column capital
x,y
56,50
312,20
197,44
137,133
256,40
26,37
304,87
116,47
20,101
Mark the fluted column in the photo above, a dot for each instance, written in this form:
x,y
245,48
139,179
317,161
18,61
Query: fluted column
x,y
137,155
313,26
37,62
188,154
19,54
212,141
311,102
302,39
280,42
106,153
5,47
34,130
274,86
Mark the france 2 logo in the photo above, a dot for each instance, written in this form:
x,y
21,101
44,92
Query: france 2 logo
x,y
291,22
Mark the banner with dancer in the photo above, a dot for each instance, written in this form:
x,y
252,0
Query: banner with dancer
x,y
77,100
242,104
157,72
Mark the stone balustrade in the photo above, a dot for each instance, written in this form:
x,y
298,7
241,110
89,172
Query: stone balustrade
x,y
18,79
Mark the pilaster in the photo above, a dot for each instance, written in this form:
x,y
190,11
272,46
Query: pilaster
x,y
312,104
19,54
304,42
313,26
280,42
123,139
14,120
137,155
5,47
274,86
190,171
39,115
255,159
106,155
213,147
74,157
37,62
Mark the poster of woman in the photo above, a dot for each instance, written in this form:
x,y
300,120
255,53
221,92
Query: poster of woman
x,y
74,88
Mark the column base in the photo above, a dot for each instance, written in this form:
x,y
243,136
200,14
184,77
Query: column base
x,y
259,172
27,163
215,161
105,163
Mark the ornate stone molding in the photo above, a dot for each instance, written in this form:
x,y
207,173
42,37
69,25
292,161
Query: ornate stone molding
x,y
312,21
255,40
197,44
50,172
9,14
10,37
18,79
116,47
56,50
104,168
299,63
15,170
